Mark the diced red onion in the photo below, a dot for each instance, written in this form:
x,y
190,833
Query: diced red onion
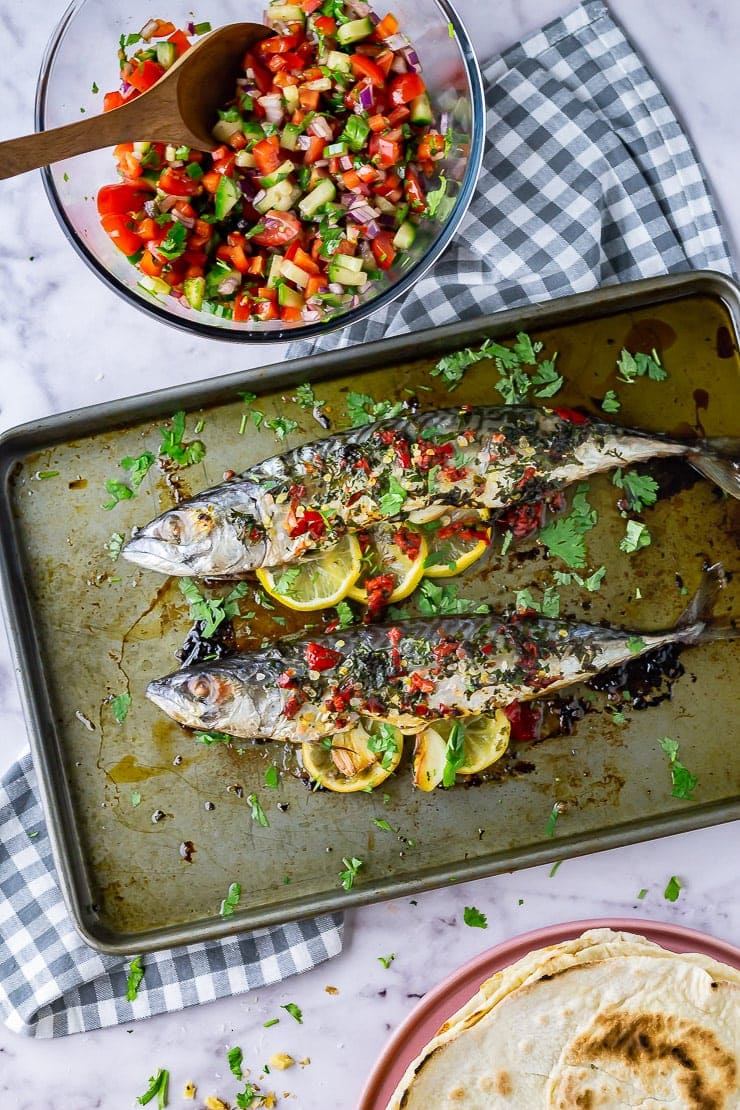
x,y
303,142
272,104
358,7
191,27
396,41
335,287
259,196
355,301
148,29
399,64
320,127
186,221
151,208
125,87
413,59
321,162
248,185
387,221
362,213
229,285
167,202
367,96
372,229
310,315
444,123
373,17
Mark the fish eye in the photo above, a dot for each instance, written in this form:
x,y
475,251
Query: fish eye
x,y
172,528
200,687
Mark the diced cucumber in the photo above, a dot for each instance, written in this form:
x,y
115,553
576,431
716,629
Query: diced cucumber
x,y
217,276
223,129
142,147
245,160
350,261
336,60
291,97
273,272
194,289
335,150
322,193
281,197
421,110
289,137
284,170
404,237
227,194
166,54
290,297
333,300
293,273
154,284
355,30
286,13
343,275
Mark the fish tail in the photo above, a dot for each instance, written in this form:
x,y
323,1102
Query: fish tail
x,y
700,608
719,467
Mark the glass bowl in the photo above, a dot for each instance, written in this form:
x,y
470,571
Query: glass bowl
x,y
81,64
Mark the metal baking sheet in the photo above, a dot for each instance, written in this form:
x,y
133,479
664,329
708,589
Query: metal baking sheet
x,y
85,628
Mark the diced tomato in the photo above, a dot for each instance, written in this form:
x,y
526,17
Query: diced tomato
x,y
308,98
122,199
112,100
311,5
414,191
267,154
320,658
389,152
181,41
178,183
388,26
281,228
118,227
383,250
150,265
277,44
405,87
262,77
305,261
315,150
317,283
145,74
325,24
362,66
162,28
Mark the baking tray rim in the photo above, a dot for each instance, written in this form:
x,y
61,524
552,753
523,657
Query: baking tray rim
x,y
44,738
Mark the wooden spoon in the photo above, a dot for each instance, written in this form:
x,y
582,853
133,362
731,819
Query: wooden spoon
x,y
180,109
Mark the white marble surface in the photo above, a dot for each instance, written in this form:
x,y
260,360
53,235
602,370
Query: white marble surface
x,y
60,330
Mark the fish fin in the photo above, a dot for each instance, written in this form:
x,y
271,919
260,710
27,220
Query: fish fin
x,y
724,472
701,606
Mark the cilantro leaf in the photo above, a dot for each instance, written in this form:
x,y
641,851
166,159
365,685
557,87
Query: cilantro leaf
x,y
393,498
120,706
564,539
173,447
363,409
209,738
174,243
454,754
384,741
639,365
294,1011
282,426
114,546
211,611
235,1057
611,402
682,779
639,489
345,614
474,918
636,644
231,901
673,889
635,537
451,369
258,813
547,377
352,866
272,777
138,467
437,600
134,978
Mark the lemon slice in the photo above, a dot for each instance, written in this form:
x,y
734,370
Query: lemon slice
x,y
485,739
461,539
315,583
393,549
359,759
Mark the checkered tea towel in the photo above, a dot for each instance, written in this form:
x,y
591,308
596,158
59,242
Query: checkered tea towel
x,y
587,180
52,983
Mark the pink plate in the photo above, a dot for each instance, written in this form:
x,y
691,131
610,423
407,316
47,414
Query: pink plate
x,y
458,988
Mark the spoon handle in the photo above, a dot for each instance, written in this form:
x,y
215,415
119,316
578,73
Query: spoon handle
x,y
141,117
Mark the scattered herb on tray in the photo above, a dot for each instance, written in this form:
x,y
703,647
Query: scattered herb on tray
x,y
386,961
348,876
681,778
173,445
134,979
231,901
640,365
235,1057
258,813
158,1085
474,918
673,889
294,1011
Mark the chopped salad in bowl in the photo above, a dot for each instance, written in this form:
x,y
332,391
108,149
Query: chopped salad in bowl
x,y
341,172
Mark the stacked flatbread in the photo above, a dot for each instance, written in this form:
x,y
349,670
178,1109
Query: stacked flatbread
x,y
606,1020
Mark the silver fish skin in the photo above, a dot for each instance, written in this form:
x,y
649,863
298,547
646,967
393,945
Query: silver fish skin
x,y
408,673
301,503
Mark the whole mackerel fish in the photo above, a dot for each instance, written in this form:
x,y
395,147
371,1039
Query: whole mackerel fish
x,y
409,673
302,502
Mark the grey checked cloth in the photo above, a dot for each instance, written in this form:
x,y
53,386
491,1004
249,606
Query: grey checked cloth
x,y
587,179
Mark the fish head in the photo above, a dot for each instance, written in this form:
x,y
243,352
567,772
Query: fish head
x,y
210,696
203,537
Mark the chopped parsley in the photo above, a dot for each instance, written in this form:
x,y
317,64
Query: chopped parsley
x,y
272,777
548,607
552,820
673,889
258,813
137,469
134,978
564,537
211,611
611,402
120,706
454,754
393,498
305,397
636,536
231,901
362,409
451,369
173,445
285,584
344,614
294,1011
639,489
157,1087
114,546
383,742
640,365
386,961
348,876
474,918
437,600
235,1057
591,583
175,241
636,644
381,823
682,779
282,426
